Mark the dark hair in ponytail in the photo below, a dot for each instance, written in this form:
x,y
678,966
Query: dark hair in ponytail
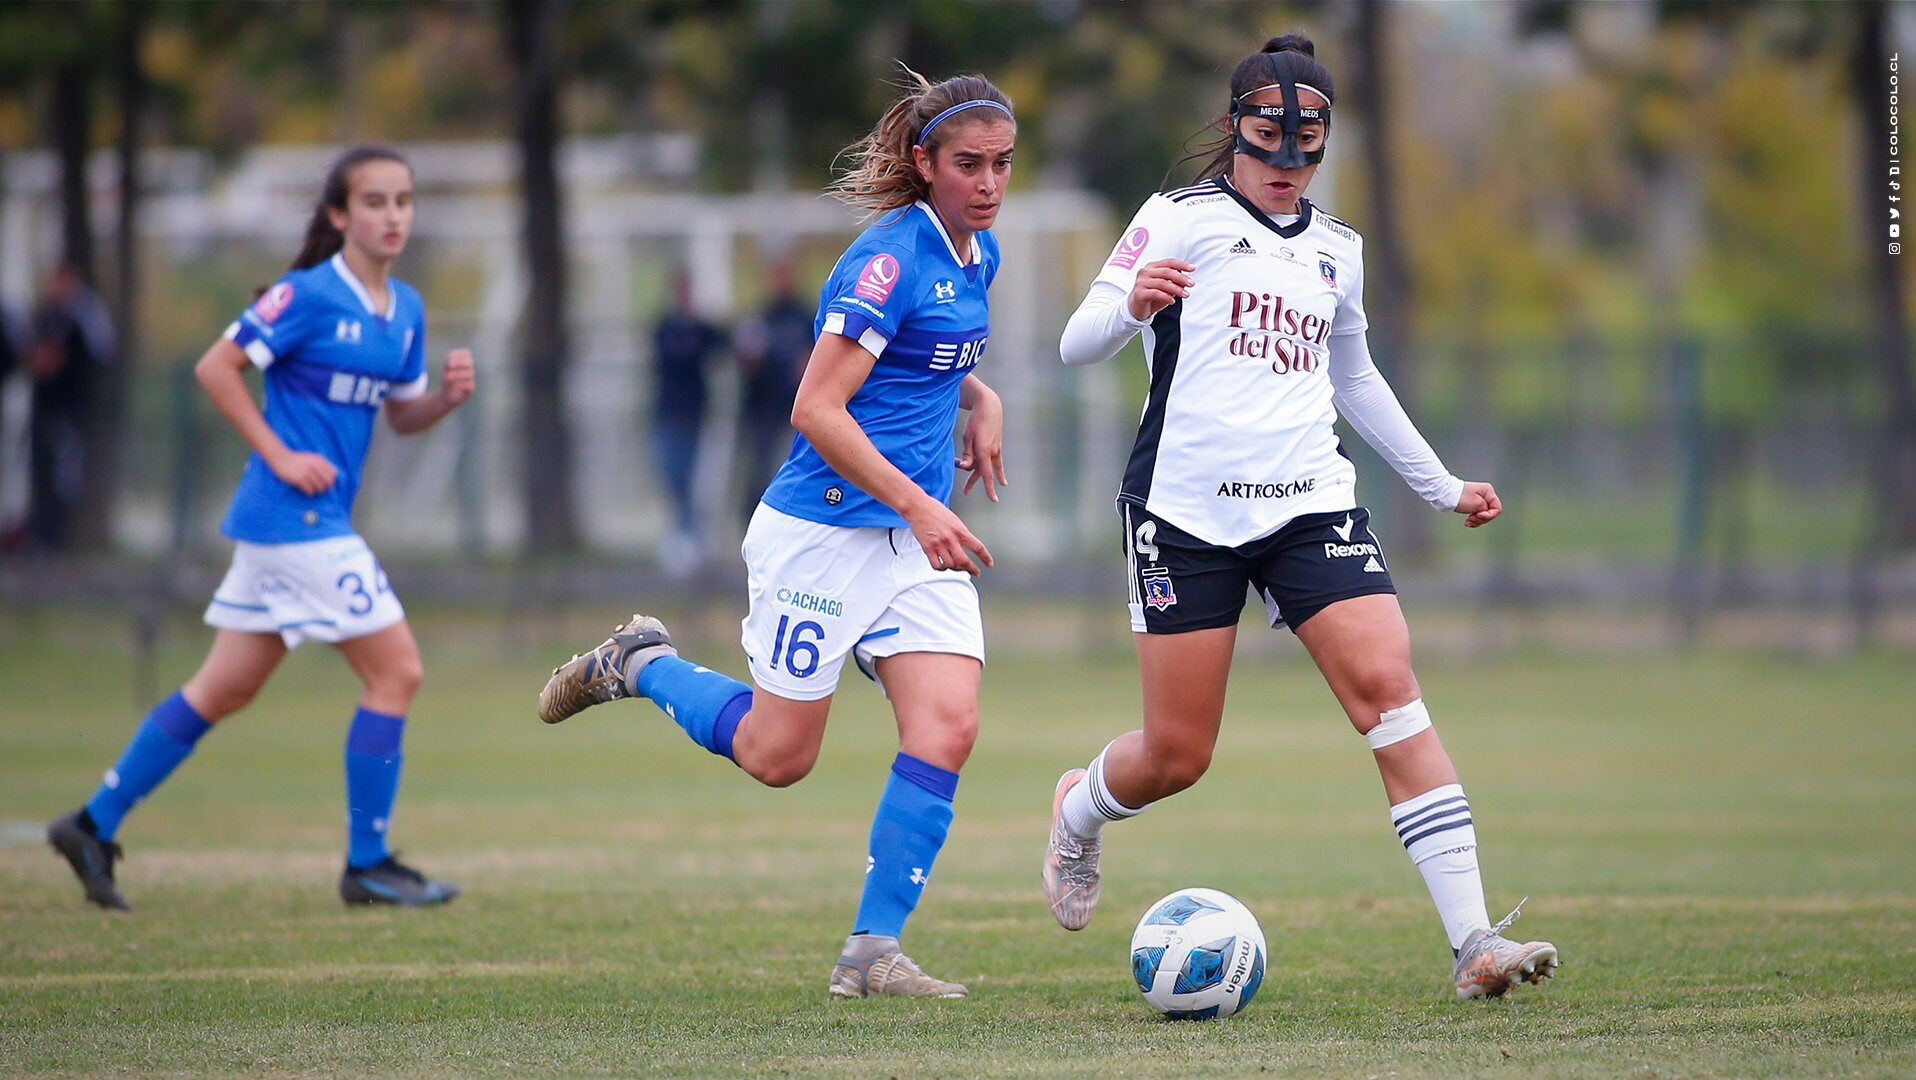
x,y
1252,72
322,240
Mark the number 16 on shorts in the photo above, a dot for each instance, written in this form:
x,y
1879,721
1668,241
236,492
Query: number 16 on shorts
x,y
796,646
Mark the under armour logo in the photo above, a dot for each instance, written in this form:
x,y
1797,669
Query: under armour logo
x,y
1147,533
871,862
946,290
918,875
348,331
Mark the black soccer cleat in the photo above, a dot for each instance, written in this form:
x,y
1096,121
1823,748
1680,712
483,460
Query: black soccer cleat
x,y
390,881
92,858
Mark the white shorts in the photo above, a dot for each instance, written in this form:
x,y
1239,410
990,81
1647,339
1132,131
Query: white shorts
x,y
820,593
323,590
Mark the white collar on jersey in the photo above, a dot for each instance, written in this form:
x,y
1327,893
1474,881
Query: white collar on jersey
x,y
977,252
346,274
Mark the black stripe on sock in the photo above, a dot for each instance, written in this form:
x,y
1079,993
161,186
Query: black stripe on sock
x,y
1413,816
1432,819
1433,831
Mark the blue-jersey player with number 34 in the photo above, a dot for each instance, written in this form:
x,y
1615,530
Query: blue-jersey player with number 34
x,y
335,339
853,551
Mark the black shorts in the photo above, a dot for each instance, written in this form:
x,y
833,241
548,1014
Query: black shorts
x,y
1180,583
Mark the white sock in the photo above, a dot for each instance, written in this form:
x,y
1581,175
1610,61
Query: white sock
x,y
1089,805
1436,830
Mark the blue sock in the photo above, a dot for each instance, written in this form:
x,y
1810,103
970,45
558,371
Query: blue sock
x,y
372,783
164,739
913,816
706,703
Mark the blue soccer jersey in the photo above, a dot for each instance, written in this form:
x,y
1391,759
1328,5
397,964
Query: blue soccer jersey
x,y
903,293
330,359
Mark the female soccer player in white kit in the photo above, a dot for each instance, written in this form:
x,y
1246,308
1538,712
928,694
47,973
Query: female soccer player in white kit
x,y
1251,303
335,338
853,551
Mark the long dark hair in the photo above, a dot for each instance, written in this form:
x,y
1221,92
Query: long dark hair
x,y
882,176
1252,72
322,240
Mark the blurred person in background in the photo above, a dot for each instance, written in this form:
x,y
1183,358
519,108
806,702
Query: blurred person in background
x,y
336,339
1251,302
772,348
72,340
854,552
685,346
13,442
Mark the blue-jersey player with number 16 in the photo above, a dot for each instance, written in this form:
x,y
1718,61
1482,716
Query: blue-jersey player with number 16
x,y
335,339
853,551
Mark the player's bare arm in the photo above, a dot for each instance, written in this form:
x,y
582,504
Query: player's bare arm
x,y
221,372
984,454
839,366
456,384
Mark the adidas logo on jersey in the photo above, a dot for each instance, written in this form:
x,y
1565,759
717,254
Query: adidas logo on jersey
x,y
1373,566
1243,247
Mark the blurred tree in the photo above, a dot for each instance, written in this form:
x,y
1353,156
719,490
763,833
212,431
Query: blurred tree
x,y
532,33
107,421
1387,280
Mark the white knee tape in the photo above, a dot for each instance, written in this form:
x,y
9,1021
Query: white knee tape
x,y
1396,725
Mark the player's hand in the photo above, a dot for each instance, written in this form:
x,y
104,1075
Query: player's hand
x,y
984,453
456,379
1480,503
1159,285
948,544
310,473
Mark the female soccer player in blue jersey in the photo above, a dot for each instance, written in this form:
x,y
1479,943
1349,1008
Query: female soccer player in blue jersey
x,y
853,551
336,339
1250,300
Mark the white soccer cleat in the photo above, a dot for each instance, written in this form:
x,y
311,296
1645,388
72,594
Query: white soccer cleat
x,y
1491,965
1070,864
892,974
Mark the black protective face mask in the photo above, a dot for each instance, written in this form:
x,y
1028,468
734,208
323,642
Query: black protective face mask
x,y
1289,116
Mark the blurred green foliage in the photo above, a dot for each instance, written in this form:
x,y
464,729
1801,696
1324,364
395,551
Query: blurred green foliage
x,y
1546,149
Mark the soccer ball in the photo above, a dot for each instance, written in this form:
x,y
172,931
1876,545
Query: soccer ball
x,y
1198,954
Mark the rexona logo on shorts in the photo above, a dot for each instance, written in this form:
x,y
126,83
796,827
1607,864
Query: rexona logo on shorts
x,y
878,277
1126,255
1347,551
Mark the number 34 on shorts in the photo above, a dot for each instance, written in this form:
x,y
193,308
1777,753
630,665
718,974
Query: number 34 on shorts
x,y
324,590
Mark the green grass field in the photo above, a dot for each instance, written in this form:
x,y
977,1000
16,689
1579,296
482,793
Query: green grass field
x,y
1720,845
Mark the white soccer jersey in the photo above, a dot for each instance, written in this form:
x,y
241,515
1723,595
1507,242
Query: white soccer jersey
x,y
1237,434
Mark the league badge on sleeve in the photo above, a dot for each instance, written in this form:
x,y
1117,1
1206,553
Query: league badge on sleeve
x,y
273,302
1125,256
1158,593
876,280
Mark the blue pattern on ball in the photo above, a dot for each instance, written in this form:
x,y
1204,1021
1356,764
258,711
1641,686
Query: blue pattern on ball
x,y
1192,1014
1204,966
1178,910
1144,966
1251,984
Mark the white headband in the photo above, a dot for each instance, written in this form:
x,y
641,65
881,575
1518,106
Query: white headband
x,y
1279,86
